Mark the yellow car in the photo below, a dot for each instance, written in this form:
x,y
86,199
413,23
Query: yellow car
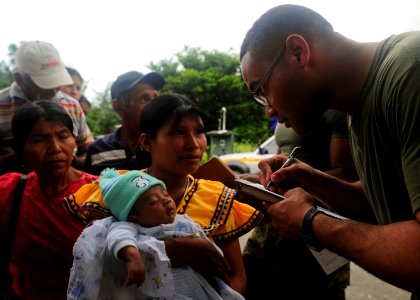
x,y
247,162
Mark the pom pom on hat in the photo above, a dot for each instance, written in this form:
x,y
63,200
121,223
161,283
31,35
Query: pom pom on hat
x,y
120,192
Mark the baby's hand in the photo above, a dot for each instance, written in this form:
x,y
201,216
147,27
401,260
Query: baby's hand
x,y
136,272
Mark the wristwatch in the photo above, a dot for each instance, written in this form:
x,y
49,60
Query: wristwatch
x,y
307,233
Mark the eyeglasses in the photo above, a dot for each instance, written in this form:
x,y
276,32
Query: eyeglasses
x,y
257,92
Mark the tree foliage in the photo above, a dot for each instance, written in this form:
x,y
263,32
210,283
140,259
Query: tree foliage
x,y
6,68
212,79
102,118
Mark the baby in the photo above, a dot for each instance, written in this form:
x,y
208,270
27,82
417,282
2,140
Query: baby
x,y
143,215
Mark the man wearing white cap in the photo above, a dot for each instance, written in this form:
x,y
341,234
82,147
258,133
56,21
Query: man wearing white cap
x,y
38,75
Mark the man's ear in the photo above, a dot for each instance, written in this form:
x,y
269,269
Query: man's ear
x,y
297,45
116,105
144,141
119,108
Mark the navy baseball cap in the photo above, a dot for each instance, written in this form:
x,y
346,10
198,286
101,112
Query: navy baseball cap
x,y
127,81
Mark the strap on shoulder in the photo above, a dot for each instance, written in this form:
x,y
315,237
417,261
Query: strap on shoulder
x,y
14,213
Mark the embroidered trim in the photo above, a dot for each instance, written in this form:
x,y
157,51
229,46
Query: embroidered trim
x,y
188,194
240,231
221,213
224,205
88,212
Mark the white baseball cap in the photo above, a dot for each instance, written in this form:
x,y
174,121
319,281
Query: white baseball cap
x,y
42,62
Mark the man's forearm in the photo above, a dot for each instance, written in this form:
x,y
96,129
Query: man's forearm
x,y
344,197
390,252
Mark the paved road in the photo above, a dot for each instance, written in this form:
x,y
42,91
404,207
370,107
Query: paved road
x,y
364,286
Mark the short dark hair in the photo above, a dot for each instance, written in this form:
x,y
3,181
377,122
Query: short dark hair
x,y
156,112
28,115
83,99
74,72
267,34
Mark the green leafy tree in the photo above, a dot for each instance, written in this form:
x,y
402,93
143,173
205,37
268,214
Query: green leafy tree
x,y
6,68
213,80
102,119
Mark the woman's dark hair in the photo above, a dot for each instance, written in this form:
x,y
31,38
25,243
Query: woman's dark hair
x,y
27,116
154,115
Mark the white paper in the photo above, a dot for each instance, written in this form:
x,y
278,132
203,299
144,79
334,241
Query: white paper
x,y
328,260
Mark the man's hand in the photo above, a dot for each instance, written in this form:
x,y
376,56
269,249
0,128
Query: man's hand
x,y
270,165
287,215
298,174
199,254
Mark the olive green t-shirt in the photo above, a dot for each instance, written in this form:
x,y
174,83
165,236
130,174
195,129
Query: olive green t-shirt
x,y
315,146
385,130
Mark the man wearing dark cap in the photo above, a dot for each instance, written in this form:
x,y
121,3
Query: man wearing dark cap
x,y
129,93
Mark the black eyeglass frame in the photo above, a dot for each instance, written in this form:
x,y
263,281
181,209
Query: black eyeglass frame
x,y
260,99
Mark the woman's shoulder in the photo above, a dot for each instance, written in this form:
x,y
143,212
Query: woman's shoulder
x,y
84,179
9,177
86,202
8,184
210,184
88,178
9,180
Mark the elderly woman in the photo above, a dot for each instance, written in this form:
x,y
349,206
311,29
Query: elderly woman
x,y
45,232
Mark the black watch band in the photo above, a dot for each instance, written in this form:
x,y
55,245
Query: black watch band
x,y
307,233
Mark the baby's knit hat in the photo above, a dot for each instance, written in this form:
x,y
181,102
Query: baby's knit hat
x,y
120,192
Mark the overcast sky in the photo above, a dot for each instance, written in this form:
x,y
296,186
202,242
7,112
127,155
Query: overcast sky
x,y
103,39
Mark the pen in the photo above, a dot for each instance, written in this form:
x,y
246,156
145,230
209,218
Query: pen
x,y
287,162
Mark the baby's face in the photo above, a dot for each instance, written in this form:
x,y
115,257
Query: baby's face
x,y
154,207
